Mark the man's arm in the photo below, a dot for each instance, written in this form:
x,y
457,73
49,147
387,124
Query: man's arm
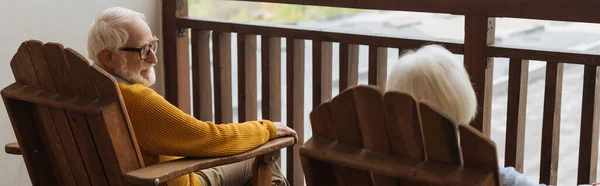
x,y
162,128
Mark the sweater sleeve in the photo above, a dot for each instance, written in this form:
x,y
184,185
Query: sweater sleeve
x,y
163,129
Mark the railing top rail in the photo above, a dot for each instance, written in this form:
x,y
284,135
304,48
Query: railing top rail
x,y
326,35
383,40
560,10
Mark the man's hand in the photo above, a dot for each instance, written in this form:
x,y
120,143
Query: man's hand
x,y
283,130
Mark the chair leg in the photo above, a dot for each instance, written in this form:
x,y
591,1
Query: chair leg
x,y
261,169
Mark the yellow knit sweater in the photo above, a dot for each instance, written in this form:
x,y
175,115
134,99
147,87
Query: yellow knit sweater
x,y
166,133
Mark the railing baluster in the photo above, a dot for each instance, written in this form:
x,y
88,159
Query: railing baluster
x,y
515,115
222,72
348,66
295,105
202,88
551,123
377,66
588,141
271,77
247,103
479,33
322,82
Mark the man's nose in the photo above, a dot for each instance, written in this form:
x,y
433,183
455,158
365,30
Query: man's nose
x,y
152,57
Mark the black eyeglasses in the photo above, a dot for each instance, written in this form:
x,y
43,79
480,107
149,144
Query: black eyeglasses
x,y
144,50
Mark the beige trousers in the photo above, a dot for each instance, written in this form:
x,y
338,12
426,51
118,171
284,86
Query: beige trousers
x,y
237,174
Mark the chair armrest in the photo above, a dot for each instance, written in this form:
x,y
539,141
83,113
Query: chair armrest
x,y
159,173
12,148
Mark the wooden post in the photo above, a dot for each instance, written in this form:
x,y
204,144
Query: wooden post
x,y
588,137
515,116
551,123
295,106
176,55
479,33
261,169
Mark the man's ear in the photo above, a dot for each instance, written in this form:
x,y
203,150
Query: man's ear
x,y
108,59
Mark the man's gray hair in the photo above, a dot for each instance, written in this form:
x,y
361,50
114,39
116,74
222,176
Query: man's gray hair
x,y
107,32
435,75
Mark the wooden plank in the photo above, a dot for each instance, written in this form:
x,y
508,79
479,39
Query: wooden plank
x,y
49,121
78,70
515,115
80,74
261,174
173,169
33,95
295,105
40,66
12,148
543,54
551,123
33,150
440,137
201,75
109,90
371,114
561,10
317,172
479,33
479,152
320,119
247,103
118,153
21,55
322,69
261,169
404,128
271,77
377,66
58,67
347,130
241,76
588,141
320,34
176,51
222,77
348,66
344,119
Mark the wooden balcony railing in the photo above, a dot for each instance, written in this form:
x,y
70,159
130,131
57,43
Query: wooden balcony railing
x,y
478,49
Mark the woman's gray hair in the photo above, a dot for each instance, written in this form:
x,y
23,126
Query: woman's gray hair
x,y
107,33
435,75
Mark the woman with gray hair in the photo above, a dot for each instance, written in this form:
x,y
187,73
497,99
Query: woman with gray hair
x,y
434,74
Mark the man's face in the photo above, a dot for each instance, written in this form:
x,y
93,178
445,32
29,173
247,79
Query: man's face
x,y
135,69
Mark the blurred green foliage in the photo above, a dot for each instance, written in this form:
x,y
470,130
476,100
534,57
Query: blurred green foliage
x,y
263,12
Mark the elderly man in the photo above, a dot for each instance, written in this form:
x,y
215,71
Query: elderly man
x,y
121,43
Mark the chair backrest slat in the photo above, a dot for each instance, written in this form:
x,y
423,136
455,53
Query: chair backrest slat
x,y
373,125
478,151
440,137
347,130
404,126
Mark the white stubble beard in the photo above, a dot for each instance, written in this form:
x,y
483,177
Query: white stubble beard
x,y
136,77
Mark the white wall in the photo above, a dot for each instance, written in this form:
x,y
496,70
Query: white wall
x,y
62,21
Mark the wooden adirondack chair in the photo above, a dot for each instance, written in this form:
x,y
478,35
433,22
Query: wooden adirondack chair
x,y
363,137
72,127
